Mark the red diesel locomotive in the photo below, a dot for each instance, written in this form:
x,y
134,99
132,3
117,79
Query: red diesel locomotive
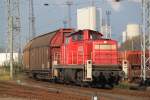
x,y
68,56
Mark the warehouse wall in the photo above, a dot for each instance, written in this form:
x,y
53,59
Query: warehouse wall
x,y
5,57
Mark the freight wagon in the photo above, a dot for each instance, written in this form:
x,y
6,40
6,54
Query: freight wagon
x,y
131,63
80,57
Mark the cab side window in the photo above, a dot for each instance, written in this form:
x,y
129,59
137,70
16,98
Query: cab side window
x,y
74,37
67,40
77,37
80,36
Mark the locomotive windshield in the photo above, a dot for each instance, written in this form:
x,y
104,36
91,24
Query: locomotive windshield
x,y
77,37
94,36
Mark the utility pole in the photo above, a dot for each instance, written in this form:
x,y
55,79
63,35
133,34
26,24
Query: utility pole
x,y
31,20
145,42
69,4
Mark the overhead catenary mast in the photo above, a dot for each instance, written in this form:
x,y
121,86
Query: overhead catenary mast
x,y
69,3
17,28
32,33
145,43
10,35
13,15
92,2
108,25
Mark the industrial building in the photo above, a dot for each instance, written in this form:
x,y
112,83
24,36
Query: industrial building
x,y
132,30
124,36
5,58
88,18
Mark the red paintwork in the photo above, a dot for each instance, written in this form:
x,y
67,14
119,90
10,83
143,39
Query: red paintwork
x,y
105,56
56,43
78,52
59,37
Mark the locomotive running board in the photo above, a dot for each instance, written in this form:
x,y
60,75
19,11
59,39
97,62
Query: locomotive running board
x,y
87,69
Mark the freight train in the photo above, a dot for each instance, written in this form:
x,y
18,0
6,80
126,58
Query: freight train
x,y
80,57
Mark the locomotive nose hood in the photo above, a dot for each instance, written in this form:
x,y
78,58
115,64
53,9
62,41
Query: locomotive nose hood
x,y
104,52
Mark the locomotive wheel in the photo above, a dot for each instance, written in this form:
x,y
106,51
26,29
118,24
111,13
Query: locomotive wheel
x,y
102,80
34,75
61,76
79,78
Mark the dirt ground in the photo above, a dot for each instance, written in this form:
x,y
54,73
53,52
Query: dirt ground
x,y
11,98
35,90
11,90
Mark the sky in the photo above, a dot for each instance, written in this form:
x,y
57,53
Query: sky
x,y
51,17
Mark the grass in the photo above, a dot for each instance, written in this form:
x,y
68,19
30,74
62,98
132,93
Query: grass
x,y
123,85
4,75
5,71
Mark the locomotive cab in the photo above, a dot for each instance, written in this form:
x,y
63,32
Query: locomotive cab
x,y
89,45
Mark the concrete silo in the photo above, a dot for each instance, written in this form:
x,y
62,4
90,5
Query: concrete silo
x,y
124,36
132,30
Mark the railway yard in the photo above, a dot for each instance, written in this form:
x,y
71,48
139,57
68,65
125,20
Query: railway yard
x,y
87,56
29,89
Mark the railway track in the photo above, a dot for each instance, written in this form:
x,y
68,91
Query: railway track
x,y
39,90
36,92
113,94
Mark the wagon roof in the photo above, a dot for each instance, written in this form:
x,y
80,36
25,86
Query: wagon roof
x,y
27,46
42,40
